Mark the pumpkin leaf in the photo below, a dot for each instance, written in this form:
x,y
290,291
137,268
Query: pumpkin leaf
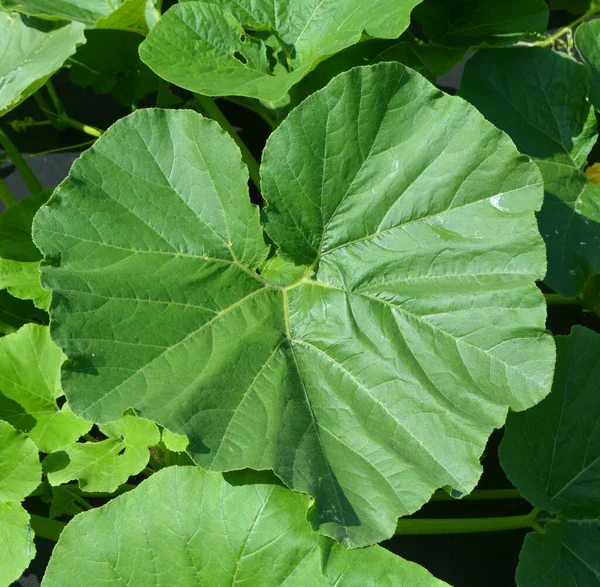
x,y
30,387
261,49
522,91
33,50
587,39
362,382
175,525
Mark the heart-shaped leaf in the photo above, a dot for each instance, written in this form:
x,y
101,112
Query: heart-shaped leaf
x,y
32,50
261,48
522,91
367,378
187,527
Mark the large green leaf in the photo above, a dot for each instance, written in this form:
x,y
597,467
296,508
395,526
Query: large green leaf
x,y
587,40
20,474
133,15
187,527
30,385
477,23
372,380
523,92
261,48
552,454
103,466
32,50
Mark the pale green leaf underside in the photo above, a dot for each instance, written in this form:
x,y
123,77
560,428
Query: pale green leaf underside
x,y
522,91
373,380
564,555
30,385
552,452
183,526
213,47
32,50
103,466
125,13
587,40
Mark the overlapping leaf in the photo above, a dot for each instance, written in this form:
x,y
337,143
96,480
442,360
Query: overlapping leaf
x,y
103,466
30,386
134,15
523,92
479,23
552,454
362,383
187,527
587,40
261,49
32,50
20,474
15,313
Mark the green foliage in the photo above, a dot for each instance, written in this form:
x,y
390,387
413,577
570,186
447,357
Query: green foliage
x,y
20,474
316,366
35,49
523,92
587,40
552,454
258,534
261,49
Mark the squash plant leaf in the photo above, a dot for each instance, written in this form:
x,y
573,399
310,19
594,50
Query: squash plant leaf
x,y
587,40
20,474
110,64
15,313
22,280
357,378
566,553
30,387
133,15
103,466
32,51
551,453
261,49
522,91
183,526
481,23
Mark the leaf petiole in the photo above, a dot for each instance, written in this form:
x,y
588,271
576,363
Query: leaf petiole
x,y
46,528
553,299
31,181
410,526
213,111
6,195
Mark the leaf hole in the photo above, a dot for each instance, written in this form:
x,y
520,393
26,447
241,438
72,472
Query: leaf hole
x,y
243,38
240,57
121,451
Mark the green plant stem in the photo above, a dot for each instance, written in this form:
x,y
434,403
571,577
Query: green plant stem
x,y
212,110
47,111
83,502
6,195
86,128
554,299
550,40
47,528
56,101
60,149
408,526
31,181
479,495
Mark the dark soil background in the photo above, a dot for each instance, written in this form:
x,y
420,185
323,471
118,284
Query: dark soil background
x,y
463,560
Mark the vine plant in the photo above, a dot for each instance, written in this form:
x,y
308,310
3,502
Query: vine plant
x,y
222,366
